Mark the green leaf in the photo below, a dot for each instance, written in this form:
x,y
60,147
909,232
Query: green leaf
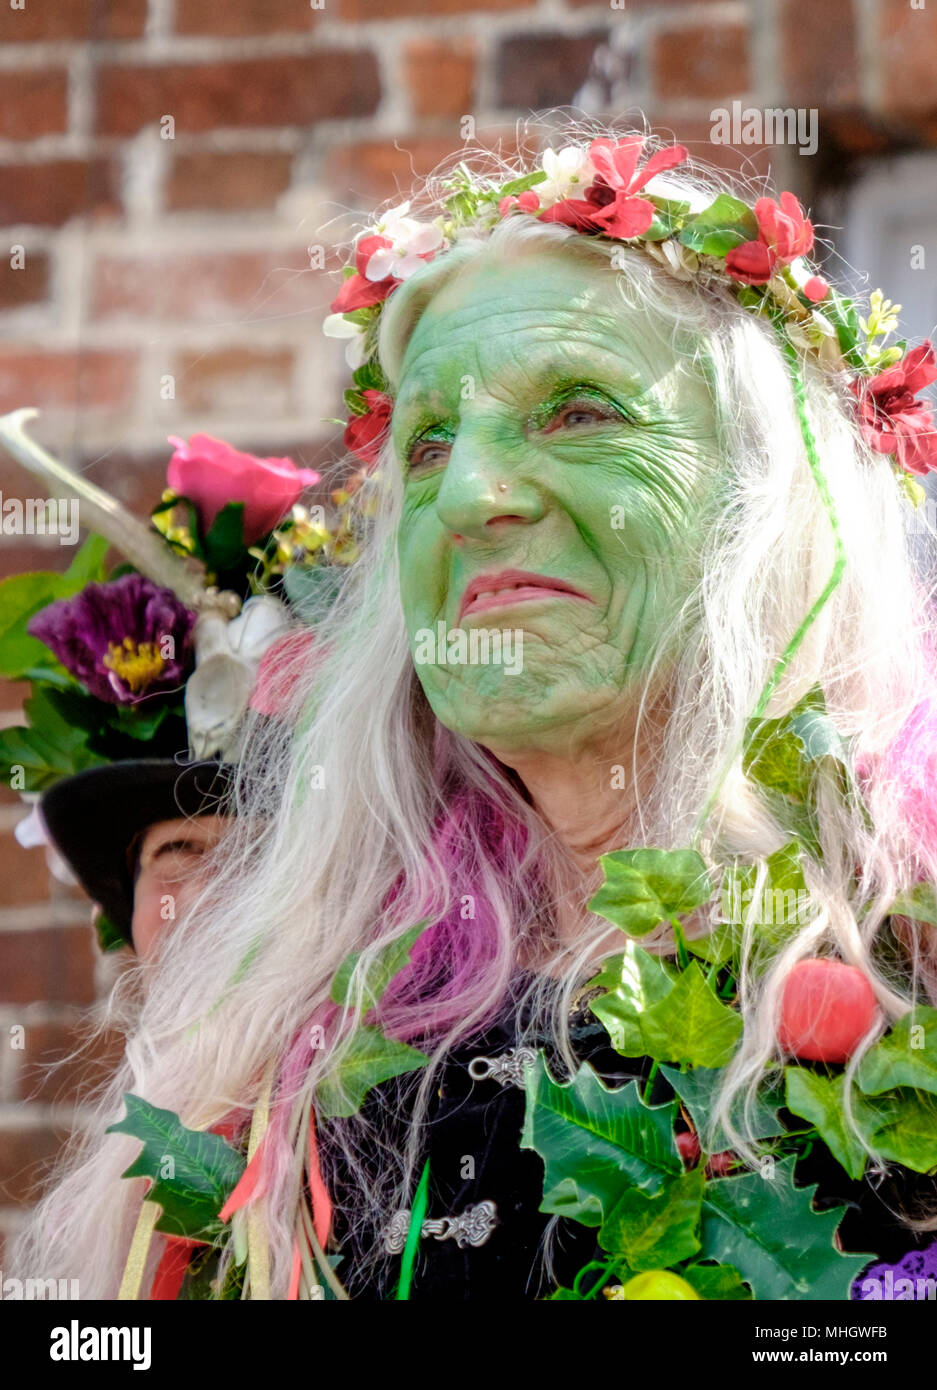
x,y
781,910
595,1141
193,1172
143,721
388,963
312,589
369,376
635,981
775,755
56,743
669,216
905,1056
370,1059
720,1283
919,903
224,544
767,1228
644,887
88,564
355,402
109,937
726,223
691,1025
698,1088
820,1099
902,1126
21,597
521,185
841,311
654,1231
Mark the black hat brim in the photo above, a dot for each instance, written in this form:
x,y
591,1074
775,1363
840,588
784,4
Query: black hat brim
x,y
94,816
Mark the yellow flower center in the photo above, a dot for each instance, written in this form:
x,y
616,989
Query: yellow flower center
x,y
136,665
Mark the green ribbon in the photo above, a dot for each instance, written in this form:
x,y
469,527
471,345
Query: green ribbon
x,y
414,1231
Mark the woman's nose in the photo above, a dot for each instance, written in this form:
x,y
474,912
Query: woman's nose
x,y
485,485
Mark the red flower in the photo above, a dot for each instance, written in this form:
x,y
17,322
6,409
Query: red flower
x,y
527,202
211,474
784,233
611,205
358,292
891,419
364,434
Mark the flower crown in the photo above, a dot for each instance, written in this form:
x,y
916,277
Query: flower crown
x,y
600,190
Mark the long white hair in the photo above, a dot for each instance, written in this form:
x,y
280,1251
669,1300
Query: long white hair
x,y
358,815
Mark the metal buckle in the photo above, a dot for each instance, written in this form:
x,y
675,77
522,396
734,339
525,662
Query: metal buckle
x,y
473,1227
507,1070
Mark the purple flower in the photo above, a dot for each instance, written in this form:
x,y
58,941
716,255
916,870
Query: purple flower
x,y
120,639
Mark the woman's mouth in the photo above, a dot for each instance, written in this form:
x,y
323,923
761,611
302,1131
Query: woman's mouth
x,y
500,589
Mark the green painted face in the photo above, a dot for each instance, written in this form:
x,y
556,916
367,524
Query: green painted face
x,y
540,435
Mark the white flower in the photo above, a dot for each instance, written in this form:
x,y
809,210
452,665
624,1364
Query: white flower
x,y
411,241
337,326
569,173
675,257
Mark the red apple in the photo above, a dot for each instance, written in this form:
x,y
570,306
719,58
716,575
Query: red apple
x,y
826,1009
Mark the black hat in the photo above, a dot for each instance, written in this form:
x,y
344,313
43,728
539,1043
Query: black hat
x,y
94,816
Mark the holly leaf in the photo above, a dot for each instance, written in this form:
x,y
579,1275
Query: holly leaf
x,y
388,963
635,981
720,1283
594,1141
698,1089
905,1056
767,1228
726,223
821,1099
657,1230
193,1172
369,1059
644,887
690,1024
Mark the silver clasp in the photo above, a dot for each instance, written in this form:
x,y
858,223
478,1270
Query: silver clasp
x,y
507,1070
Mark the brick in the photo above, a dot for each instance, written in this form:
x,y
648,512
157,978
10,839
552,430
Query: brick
x,y
12,695
50,192
227,182
907,42
280,91
25,1158
52,1043
24,875
440,77
544,69
819,53
237,17
207,287
19,555
33,102
63,380
354,11
234,381
76,19
696,135
53,964
701,63
376,169
27,284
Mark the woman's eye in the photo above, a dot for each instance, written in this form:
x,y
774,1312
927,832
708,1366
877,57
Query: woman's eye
x,y
578,413
424,457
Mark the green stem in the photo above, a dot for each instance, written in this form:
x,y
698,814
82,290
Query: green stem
x,y
415,1230
683,955
836,574
650,1082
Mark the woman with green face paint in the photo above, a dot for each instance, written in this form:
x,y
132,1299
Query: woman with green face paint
x,y
615,727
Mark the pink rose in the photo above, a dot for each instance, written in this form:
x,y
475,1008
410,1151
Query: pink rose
x,y
212,474
280,668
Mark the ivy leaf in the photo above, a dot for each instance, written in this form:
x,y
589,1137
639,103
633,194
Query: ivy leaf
x,y
775,755
698,1088
370,1059
767,1228
919,903
193,1172
635,981
784,905
595,1141
658,1230
644,887
691,1025
388,963
716,1282
726,223
223,544
820,1099
905,1056
902,1126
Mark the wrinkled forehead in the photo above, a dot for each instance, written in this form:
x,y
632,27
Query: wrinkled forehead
x,y
538,317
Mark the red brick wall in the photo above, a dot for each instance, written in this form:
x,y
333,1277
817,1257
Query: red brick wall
x,y
147,256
